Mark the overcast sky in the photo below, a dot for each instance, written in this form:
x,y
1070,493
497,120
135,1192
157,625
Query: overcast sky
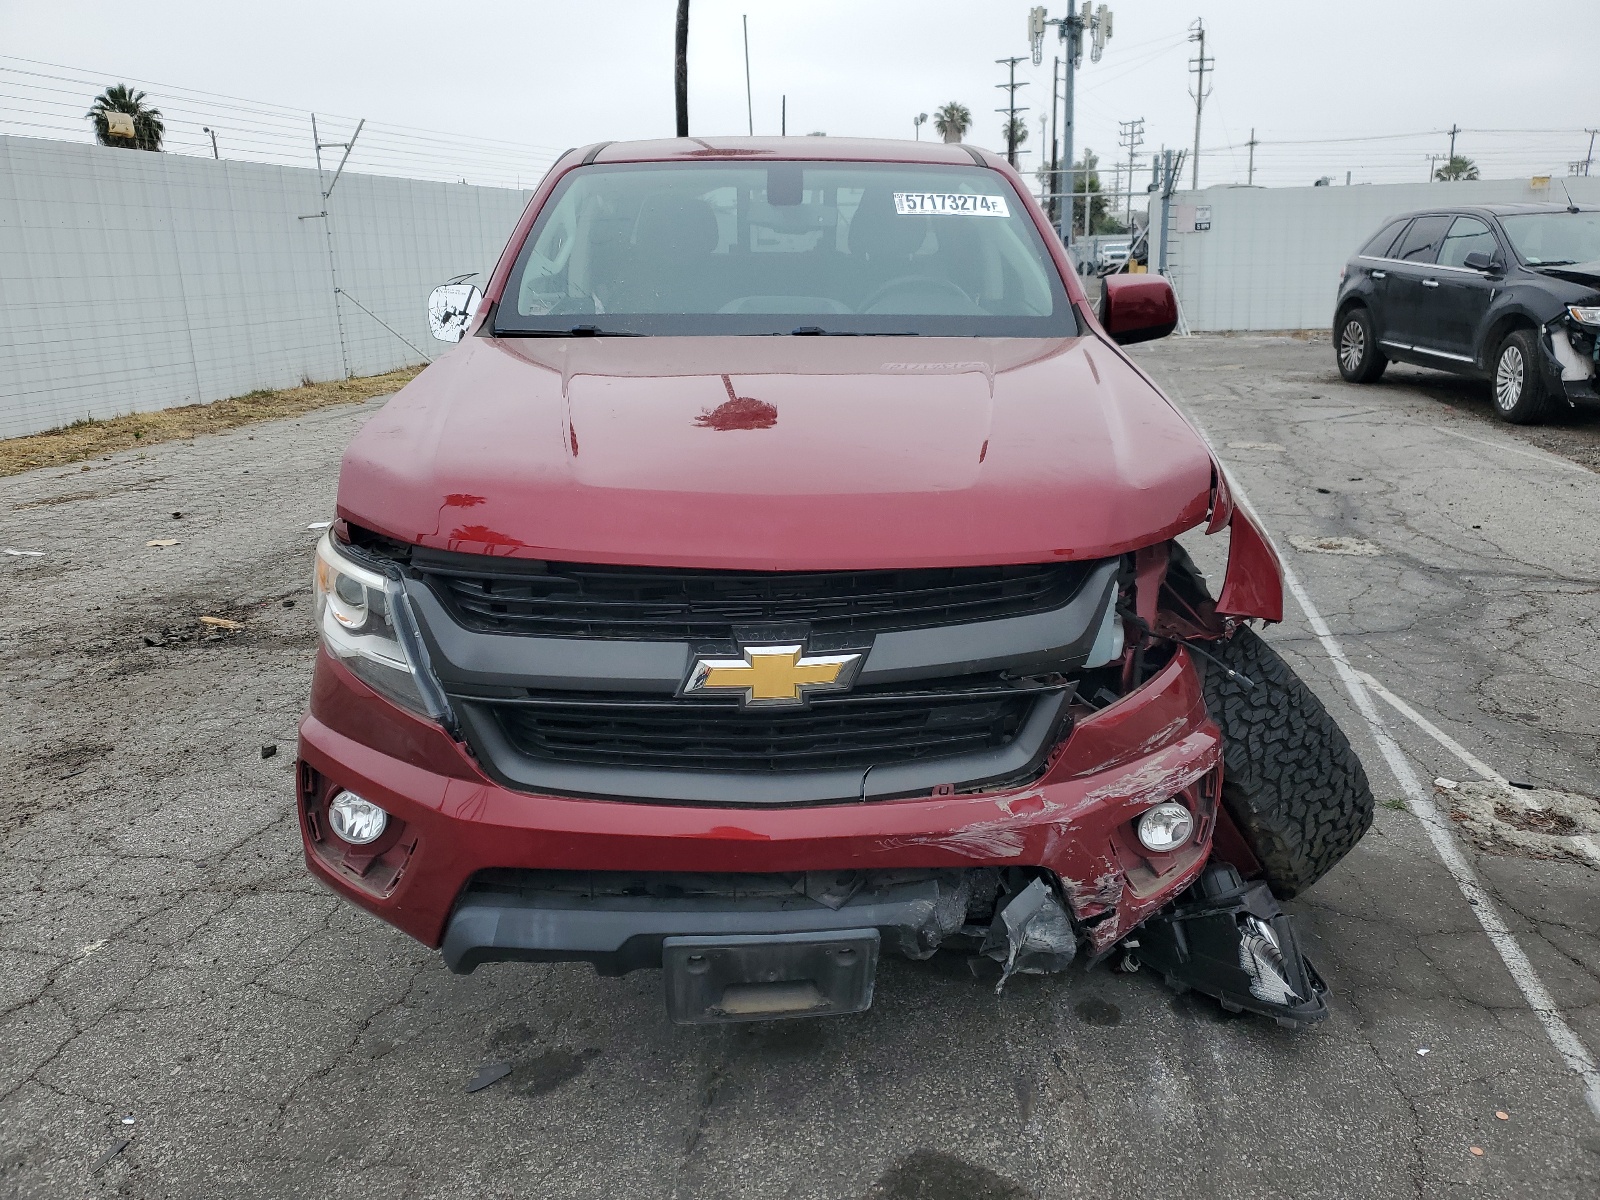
x,y
546,74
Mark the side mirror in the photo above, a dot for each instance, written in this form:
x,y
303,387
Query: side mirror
x,y
1137,308
1479,261
451,308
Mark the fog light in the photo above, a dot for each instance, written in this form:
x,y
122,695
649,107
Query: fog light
x,y
360,821
1165,827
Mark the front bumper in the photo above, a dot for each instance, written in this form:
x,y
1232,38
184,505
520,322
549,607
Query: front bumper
x,y
450,821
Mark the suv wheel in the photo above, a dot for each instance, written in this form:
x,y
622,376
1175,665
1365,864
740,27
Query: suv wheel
x,y
1519,391
1360,360
1291,781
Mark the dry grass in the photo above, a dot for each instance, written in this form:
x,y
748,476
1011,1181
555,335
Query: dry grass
x,y
93,439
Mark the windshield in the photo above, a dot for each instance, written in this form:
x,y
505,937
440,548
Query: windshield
x,y
785,248
1549,239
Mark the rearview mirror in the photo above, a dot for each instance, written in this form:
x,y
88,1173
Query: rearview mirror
x,y
1479,261
451,308
1137,308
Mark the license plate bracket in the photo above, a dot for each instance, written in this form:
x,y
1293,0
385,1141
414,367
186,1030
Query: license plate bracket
x,y
769,976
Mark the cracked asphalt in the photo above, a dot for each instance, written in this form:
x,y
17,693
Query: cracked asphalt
x,y
173,984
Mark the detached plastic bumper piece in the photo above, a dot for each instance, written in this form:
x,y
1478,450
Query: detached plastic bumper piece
x,y
1230,940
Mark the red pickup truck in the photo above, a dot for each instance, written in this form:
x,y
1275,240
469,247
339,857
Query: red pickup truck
x,y
781,570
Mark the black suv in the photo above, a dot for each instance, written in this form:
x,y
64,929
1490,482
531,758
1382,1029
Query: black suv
x,y
1506,292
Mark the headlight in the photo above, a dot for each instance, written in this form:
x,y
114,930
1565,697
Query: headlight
x,y
1584,315
365,621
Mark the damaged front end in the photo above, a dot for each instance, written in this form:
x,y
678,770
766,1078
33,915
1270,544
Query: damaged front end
x,y
1572,343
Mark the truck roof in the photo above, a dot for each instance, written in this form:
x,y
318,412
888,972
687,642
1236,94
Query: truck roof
x,y
834,149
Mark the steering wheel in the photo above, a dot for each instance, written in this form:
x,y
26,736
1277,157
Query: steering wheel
x,y
906,283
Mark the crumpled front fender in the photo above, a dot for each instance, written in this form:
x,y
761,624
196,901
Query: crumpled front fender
x,y
1253,586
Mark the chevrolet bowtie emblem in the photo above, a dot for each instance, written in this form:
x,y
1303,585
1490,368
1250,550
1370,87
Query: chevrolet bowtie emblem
x,y
772,676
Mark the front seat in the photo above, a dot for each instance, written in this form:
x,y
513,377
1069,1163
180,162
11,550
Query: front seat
x,y
673,268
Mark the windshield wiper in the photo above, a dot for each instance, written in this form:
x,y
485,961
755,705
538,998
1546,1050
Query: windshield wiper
x,y
819,331
570,331
1554,262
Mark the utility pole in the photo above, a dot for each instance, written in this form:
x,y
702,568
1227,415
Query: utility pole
x,y
681,69
1011,110
1454,129
749,109
1251,179
213,133
1432,158
917,122
1072,27
1199,66
1054,208
1131,135
783,116
1588,159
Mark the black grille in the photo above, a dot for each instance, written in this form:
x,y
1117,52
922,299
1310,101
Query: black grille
x,y
667,604
861,731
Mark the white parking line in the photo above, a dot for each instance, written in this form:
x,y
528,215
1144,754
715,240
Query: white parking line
x,y
1472,761
1548,459
1572,1051
1584,845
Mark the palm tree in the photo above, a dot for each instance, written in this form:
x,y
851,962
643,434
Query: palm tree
x,y
952,121
148,128
1015,132
1459,167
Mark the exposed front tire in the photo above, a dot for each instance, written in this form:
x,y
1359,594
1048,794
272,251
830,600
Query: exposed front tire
x,y
1291,781
1355,343
1519,392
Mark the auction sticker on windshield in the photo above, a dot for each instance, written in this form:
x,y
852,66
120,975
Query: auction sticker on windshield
x,y
962,204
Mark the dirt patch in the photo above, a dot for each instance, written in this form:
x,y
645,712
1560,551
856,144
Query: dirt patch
x,y
1533,823
1359,547
92,439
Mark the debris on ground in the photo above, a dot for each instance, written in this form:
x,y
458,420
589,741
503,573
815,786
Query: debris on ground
x,y
117,1147
1422,1050
1359,547
490,1072
268,750
288,603
1448,785
1476,1150
319,525
24,553
1535,822
161,543
221,623
1502,1115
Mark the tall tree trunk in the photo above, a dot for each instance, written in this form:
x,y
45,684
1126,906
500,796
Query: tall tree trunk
x,y
683,68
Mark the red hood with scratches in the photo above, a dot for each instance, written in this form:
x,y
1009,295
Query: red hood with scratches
x,y
803,453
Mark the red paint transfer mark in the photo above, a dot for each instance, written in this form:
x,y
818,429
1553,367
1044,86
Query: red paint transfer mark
x,y
1093,370
984,453
485,536
572,437
463,500
738,412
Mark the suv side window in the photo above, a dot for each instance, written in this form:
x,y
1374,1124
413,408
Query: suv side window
x,y
1421,242
1380,245
1467,236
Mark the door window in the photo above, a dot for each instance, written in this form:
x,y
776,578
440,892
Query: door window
x,y
1467,236
1421,243
1380,245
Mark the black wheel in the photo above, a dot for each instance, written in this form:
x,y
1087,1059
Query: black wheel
x,y
1356,345
1519,392
1291,782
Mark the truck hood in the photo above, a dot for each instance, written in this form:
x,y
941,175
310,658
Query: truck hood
x,y
799,453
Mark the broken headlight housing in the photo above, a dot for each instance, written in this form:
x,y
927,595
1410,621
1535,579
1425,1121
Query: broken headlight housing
x,y
365,622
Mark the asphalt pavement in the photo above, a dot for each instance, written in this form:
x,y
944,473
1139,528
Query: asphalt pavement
x,y
184,1013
